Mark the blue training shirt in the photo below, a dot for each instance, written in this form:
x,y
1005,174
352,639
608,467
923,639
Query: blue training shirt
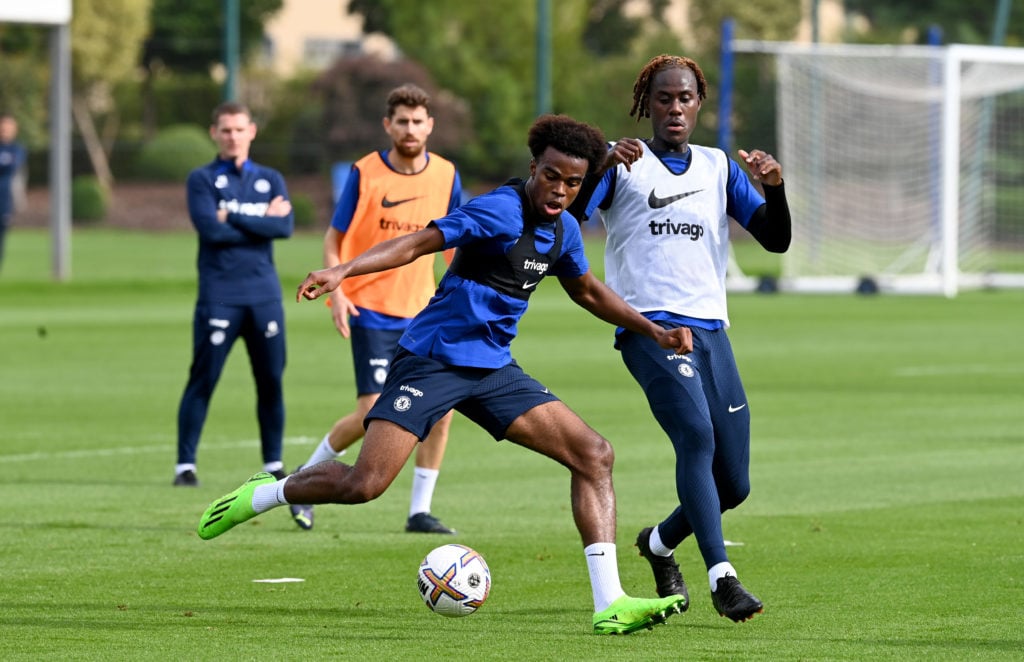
x,y
236,258
470,324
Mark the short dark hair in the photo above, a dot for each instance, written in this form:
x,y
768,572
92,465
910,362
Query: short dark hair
x,y
657,64
229,108
568,136
409,95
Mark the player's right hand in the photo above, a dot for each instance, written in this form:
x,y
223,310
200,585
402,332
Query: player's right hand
x,y
318,283
341,308
625,151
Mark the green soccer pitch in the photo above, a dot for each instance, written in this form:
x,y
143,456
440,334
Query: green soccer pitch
x,y
886,520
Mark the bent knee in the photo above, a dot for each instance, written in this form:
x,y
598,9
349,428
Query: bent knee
x,y
734,496
598,455
362,490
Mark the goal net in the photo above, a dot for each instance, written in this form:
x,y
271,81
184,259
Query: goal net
x,y
904,165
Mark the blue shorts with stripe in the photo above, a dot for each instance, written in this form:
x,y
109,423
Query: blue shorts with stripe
x,y
419,391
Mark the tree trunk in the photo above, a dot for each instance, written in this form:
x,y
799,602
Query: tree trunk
x,y
93,144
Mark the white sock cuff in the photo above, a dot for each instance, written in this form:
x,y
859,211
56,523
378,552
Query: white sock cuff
x,y
719,570
657,546
269,496
323,452
604,574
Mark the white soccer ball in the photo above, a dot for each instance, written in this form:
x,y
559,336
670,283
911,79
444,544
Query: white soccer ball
x,y
454,580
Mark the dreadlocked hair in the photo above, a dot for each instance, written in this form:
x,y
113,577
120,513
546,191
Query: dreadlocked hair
x,y
568,136
657,64
409,95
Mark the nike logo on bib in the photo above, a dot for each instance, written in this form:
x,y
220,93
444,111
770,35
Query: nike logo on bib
x,y
394,203
733,410
657,203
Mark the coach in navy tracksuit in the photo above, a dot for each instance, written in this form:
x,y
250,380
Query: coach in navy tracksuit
x,y
239,208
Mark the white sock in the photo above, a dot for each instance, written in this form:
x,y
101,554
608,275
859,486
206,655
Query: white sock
x,y
604,574
423,482
182,468
269,496
718,571
323,452
658,548
271,467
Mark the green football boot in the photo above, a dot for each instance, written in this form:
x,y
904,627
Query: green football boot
x,y
628,614
232,509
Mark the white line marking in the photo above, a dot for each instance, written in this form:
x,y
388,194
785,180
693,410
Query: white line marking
x,y
163,448
279,580
955,369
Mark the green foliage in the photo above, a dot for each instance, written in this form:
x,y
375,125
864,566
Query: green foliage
x,y
353,94
105,39
960,22
89,200
775,20
883,524
174,152
290,128
485,54
23,95
189,37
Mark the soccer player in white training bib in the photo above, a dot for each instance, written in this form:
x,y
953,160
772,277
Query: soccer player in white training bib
x,y
666,206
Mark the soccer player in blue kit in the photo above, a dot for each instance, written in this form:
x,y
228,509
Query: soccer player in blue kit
x,y
455,354
239,208
666,204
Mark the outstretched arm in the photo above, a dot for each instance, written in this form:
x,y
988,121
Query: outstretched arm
x,y
602,302
381,257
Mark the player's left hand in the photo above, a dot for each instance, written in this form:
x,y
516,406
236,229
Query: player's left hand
x,y
762,166
679,339
318,283
279,207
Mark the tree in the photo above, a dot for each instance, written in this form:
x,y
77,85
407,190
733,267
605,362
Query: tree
x,y
188,38
23,79
191,38
775,20
961,22
485,53
354,93
106,38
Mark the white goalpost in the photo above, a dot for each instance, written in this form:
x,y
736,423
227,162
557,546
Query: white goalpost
x,y
904,165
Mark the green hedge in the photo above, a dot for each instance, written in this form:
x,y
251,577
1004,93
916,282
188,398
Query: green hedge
x,y
174,152
89,200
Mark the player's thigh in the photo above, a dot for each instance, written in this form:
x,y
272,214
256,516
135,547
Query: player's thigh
x,y
385,449
214,331
554,430
672,383
727,400
264,335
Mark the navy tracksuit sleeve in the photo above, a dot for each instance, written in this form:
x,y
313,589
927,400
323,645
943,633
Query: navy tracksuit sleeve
x,y
202,209
267,227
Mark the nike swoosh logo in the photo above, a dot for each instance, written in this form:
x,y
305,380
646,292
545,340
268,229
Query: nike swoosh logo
x,y
599,554
527,285
387,204
733,410
657,203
